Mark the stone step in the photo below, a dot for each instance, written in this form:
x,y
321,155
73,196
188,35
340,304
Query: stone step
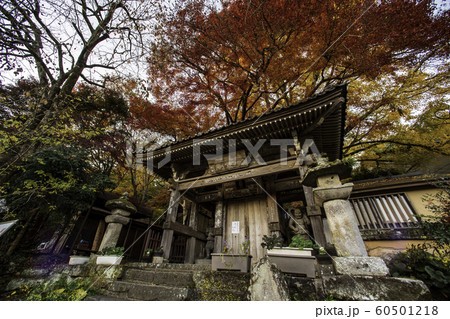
x,y
103,298
173,278
177,282
166,266
139,291
221,285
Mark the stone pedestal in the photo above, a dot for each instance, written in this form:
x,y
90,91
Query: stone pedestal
x,y
360,266
120,210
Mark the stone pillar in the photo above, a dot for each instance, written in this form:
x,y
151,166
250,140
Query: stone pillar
x,y
166,241
218,227
120,208
333,196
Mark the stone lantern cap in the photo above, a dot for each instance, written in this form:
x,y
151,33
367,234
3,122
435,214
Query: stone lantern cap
x,y
121,203
327,168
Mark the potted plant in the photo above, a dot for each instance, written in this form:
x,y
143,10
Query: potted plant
x,y
158,256
110,256
76,259
297,258
271,242
227,260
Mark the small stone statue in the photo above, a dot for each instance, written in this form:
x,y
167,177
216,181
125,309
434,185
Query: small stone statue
x,y
209,245
159,252
299,224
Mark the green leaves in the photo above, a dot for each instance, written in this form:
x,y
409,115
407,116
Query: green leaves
x,y
299,242
112,251
61,290
271,242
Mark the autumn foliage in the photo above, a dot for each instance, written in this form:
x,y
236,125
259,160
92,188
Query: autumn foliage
x,y
242,58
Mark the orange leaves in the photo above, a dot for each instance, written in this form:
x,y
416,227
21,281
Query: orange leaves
x,y
249,56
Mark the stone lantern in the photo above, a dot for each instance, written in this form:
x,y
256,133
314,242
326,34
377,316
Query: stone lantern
x,y
120,209
333,196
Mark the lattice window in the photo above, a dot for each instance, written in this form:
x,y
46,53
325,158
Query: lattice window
x,y
384,212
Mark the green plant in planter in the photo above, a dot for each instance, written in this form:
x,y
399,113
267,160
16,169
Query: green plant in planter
x,y
112,251
271,242
148,252
244,248
299,242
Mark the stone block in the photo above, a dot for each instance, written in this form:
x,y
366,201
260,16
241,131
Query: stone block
x,y
221,285
361,288
360,266
267,283
344,228
303,289
158,260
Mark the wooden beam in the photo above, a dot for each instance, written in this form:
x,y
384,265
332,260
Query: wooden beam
x,y
239,175
184,230
286,185
208,197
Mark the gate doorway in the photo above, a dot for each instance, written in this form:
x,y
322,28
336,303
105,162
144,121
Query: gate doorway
x,y
178,250
249,219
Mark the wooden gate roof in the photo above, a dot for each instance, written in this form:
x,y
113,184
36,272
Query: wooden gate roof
x,y
320,117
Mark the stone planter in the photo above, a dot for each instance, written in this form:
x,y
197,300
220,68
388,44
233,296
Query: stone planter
x,y
109,260
231,262
293,260
78,260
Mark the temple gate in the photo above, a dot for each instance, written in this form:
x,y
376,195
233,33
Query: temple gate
x,y
242,180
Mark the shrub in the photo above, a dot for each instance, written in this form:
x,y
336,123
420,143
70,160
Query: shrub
x,y
112,251
299,242
417,262
61,290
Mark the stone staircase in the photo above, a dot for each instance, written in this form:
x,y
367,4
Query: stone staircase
x,y
175,282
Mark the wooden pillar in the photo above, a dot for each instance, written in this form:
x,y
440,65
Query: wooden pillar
x,y
315,216
166,241
218,227
191,243
98,235
273,217
313,211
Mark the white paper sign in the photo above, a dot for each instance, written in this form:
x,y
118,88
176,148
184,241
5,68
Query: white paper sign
x,y
235,227
4,226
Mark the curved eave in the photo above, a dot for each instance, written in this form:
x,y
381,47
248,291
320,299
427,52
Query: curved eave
x,y
277,124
